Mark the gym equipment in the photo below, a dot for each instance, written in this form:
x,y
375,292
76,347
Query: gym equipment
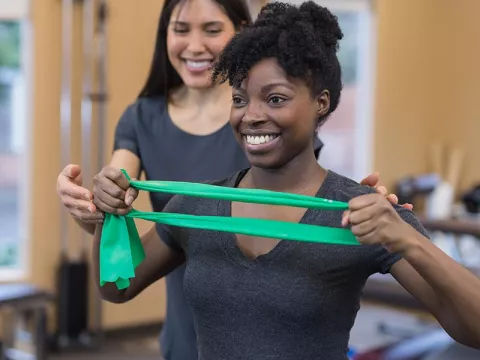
x,y
432,342
73,306
121,250
23,310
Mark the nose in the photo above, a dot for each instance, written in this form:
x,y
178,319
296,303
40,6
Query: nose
x,y
255,112
196,44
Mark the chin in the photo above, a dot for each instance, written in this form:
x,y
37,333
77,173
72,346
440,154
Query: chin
x,y
198,84
199,81
265,162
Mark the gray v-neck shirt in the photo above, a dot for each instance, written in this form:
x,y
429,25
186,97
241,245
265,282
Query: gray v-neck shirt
x,y
169,153
299,301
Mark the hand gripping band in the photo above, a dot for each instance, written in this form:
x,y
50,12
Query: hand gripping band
x,y
121,250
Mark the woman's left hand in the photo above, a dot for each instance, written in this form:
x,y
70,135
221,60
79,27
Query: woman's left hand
x,y
373,180
374,221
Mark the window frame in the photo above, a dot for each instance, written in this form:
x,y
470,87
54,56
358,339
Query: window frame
x,y
19,10
14,9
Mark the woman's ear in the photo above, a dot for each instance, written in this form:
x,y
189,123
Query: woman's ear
x,y
323,102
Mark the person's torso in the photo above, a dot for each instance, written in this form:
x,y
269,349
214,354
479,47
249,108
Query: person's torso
x,y
171,154
298,301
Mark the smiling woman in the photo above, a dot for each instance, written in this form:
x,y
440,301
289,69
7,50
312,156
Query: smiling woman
x,y
269,93
198,39
177,129
265,298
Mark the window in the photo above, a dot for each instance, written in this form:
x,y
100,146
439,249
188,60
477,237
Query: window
x,y
347,134
13,136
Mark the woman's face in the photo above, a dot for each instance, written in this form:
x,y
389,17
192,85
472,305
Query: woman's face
x,y
274,116
197,33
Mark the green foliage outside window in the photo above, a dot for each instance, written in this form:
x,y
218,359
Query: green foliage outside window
x,y
9,44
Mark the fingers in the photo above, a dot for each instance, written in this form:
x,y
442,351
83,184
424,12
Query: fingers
x,y
382,190
76,200
108,197
392,198
95,217
117,176
363,215
371,180
68,189
346,218
79,205
363,229
130,196
74,197
112,190
108,208
408,206
71,171
363,201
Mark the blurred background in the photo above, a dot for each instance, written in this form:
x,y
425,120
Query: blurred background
x,y
409,110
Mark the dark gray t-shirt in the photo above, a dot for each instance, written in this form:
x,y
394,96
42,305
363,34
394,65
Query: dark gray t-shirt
x,y
168,153
297,302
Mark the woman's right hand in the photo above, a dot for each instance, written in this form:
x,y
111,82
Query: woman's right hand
x,y
112,192
76,198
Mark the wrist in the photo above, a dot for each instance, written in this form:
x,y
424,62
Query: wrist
x,y
413,245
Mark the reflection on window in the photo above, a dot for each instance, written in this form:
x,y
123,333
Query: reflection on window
x,y
12,135
345,134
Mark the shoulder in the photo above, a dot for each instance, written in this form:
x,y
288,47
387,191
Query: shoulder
x,y
344,189
142,108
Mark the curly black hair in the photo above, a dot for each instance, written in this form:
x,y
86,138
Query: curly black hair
x,y
303,39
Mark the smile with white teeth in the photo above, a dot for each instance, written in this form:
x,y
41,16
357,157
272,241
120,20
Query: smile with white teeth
x,y
257,140
198,64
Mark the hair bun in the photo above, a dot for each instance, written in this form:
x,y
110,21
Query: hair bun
x,y
285,16
323,21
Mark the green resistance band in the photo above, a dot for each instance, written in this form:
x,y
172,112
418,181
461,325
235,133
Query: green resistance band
x,y
121,250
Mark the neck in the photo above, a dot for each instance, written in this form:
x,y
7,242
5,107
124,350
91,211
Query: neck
x,y
297,176
202,98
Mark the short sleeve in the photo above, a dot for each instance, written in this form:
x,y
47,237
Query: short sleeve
x,y
173,236
383,257
126,136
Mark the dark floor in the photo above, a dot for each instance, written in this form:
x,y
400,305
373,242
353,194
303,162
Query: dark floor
x,y
144,346
367,334
138,345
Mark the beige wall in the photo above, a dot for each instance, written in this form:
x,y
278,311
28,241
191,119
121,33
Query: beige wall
x,y
131,31
427,87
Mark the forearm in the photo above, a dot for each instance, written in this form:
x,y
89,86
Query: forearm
x,y
159,261
457,289
88,227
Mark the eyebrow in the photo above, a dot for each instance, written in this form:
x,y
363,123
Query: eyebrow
x,y
269,87
208,23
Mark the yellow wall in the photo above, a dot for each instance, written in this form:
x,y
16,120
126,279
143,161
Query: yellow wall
x,y
427,86
131,31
